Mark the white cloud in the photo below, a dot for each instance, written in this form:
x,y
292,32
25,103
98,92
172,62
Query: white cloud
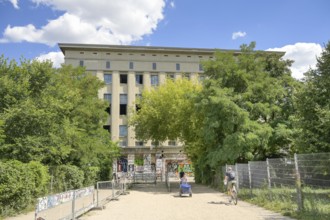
x,y
56,57
172,4
85,21
238,34
304,57
15,3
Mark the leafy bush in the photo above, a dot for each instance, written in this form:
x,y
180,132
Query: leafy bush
x,y
67,177
20,184
91,175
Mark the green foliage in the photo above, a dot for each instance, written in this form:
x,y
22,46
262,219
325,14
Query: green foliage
x,y
52,115
242,112
284,200
67,177
20,184
165,111
313,107
244,109
91,175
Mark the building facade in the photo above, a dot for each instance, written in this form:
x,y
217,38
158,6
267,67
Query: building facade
x,y
127,71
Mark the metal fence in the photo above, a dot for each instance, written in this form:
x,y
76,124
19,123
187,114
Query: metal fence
x,y
302,172
71,204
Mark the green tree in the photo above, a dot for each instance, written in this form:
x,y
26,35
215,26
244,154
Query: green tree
x,y
313,105
165,112
52,115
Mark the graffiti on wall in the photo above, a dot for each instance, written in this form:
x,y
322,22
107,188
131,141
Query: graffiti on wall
x,y
177,167
48,202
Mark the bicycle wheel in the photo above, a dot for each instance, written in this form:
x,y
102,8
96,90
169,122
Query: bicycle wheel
x,y
234,195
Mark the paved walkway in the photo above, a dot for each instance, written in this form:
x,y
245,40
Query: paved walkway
x,y
150,202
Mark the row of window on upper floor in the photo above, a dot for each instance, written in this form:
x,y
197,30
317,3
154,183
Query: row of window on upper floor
x,y
154,79
122,103
131,65
154,55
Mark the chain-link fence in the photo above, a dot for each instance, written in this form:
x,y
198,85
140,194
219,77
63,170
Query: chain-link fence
x,y
303,179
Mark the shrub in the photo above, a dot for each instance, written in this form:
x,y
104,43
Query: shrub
x,y
91,175
20,184
67,177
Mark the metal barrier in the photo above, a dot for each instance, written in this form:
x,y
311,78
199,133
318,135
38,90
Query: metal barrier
x,y
145,178
303,176
71,204
66,205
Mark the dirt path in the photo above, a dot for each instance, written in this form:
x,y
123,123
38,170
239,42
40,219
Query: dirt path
x,y
150,202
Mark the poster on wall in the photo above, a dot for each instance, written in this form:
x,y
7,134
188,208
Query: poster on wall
x,y
122,165
147,162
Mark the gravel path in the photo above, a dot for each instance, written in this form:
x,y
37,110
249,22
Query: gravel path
x,y
150,202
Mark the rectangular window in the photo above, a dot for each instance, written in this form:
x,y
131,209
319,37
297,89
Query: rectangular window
x,y
200,67
123,104
171,143
139,79
177,66
170,76
107,78
123,130
81,63
107,65
123,143
107,97
154,80
131,65
139,143
186,76
123,78
154,66
107,127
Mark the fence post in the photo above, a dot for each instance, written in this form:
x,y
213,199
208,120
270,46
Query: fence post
x,y
237,177
97,194
73,205
268,174
298,184
113,190
250,180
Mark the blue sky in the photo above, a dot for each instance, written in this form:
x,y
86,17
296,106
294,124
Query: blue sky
x,y
32,28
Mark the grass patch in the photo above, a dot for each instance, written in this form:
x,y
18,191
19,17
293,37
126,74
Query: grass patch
x,y
316,202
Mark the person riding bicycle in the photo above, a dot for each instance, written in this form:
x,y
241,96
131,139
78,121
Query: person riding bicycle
x,y
230,179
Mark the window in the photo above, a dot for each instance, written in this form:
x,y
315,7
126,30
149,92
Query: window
x,y
154,66
200,67
123,143
107,97
107,65
123,78
123,104
138,98
171,76
139,79
171,143
107,78
154,80
177,66
201,78
81,63
123,130
107,127
131,65
139,143
186,76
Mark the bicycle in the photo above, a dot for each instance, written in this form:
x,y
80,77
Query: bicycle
x,y
232,191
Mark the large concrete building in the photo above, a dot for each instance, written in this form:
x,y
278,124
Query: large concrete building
x,y
126,71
